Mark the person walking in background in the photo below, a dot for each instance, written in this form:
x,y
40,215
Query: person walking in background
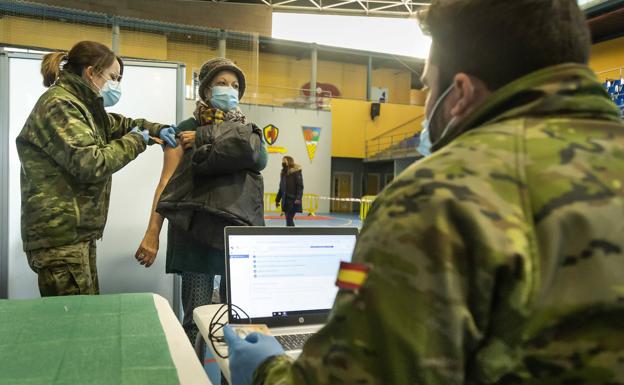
x,y
68,149
290,190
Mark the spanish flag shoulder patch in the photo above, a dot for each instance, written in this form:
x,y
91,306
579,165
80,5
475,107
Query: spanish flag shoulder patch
x,y
351,276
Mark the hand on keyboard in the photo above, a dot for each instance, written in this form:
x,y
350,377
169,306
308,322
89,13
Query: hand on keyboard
x,y
247,354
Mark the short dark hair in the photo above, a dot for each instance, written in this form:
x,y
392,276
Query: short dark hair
x,y
499,41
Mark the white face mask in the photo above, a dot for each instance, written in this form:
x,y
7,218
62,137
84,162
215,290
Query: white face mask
x,y
424,147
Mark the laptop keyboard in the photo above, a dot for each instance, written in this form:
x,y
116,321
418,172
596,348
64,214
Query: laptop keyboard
x,y
293,341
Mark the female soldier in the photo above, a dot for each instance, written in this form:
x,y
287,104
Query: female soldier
x,y
216,183
68,149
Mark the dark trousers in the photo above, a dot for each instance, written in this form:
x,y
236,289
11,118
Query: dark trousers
x,y
290,218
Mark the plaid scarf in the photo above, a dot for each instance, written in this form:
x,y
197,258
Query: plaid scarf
x,y
206,115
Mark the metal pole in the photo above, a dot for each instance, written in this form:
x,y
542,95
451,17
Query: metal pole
x,y
256,64
177,281
369,79
181,82
116,36
314,62
4,175
222,43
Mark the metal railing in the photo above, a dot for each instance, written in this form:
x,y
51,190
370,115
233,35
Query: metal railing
x,y
393,146
287,97
389,145
611,74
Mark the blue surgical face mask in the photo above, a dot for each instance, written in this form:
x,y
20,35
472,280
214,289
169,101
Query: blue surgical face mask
x,y
424,147
111,92
224,98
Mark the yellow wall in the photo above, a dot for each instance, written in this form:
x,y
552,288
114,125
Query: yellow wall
x,y
349,78
352,126
143,45
607,57
229,16
278,77
398,84
418,97
54,35
27,32
193,55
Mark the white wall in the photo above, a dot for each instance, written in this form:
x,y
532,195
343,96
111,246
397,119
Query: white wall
x,y
316,173
133,190
133,186
189,107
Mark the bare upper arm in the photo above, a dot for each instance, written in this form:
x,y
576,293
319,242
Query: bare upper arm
x,y
172,158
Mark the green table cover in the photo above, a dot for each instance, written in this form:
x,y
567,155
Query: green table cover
x,y
75,340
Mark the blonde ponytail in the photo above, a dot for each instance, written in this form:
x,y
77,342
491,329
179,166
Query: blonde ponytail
x,y
51,67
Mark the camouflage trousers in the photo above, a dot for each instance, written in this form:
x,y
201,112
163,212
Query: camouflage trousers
x,y
66,270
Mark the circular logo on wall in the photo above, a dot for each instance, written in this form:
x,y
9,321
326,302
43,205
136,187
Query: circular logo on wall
x,y
301,320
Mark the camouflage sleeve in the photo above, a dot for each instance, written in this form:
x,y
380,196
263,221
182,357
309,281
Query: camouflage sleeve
x,y
73,144
438,242
120,125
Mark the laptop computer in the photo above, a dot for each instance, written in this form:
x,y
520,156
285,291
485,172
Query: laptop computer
x,y
285,277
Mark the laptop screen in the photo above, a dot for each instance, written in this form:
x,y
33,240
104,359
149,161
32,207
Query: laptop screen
x,y
285,276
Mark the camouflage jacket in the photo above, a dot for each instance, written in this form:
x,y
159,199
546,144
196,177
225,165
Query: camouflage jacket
x,y
497,260
68,149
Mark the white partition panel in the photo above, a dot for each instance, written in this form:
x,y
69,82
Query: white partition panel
x,y
25,88
149,91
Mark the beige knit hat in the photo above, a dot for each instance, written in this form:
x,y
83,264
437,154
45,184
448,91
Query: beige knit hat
x,y
212,67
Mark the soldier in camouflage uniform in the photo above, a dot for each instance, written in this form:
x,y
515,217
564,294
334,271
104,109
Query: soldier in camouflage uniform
x,y
68,149
499,259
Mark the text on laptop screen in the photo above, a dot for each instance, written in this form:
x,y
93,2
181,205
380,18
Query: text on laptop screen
x,y
281,275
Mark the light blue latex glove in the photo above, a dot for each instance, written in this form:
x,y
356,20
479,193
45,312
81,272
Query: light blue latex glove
x,y
145,134
246,355
168,134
